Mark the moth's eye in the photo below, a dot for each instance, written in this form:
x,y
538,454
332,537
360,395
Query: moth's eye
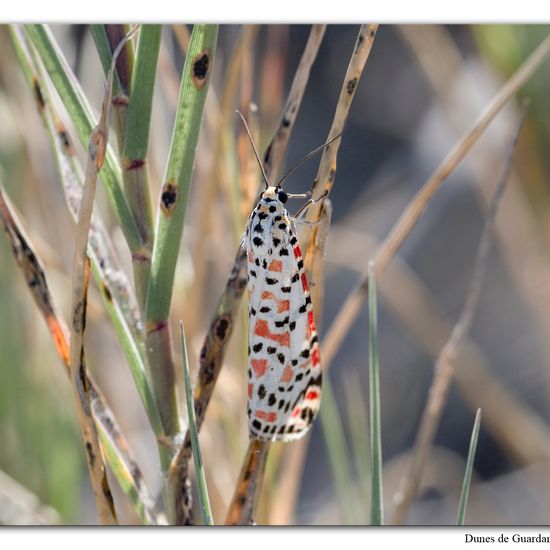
x,y
282,196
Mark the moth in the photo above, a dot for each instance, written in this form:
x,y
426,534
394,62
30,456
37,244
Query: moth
x,y
284,368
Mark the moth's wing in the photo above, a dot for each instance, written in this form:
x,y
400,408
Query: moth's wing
x,y
304,355
279,332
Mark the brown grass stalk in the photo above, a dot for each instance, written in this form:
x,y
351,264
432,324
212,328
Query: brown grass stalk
x,y
405,294
326,173
217,338
276,150
314,241
115,286
446,362
406,223
521,243
247,493
327,166
249,486
36,282
80,281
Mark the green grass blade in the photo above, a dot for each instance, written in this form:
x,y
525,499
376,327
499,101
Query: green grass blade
x,y
197,458
469,468
376,510
177,178
108,275
136,139
358,420
123,474
79,110
337,449
106,39
136,143
105,54
133,117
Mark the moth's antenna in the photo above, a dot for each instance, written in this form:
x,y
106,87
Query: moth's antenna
x,y
254,148
307,157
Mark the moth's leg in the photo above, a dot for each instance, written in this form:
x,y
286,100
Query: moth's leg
x,y
309,203
299,195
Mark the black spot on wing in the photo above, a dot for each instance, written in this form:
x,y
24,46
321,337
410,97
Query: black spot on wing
x,y
261,391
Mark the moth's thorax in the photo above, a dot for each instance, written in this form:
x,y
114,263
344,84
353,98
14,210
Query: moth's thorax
x,y
268,226
270,193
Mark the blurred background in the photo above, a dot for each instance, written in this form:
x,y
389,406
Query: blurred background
x,y
422,88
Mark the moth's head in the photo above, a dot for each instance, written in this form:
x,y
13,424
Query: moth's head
x,y
275,193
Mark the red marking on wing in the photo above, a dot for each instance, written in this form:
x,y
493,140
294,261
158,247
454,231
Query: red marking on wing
x,y
312,395
250,390
262,329
267,416
297,252
287,374
315,357
259,366
304,282
275,265
308,331
283,305
296,412
250,257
